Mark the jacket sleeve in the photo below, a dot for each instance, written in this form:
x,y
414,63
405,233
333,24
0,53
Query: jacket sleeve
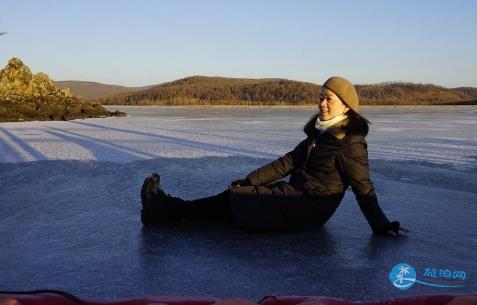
x,y
280,167
356,168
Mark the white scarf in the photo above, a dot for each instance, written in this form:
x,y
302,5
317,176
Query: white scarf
x,y
322,126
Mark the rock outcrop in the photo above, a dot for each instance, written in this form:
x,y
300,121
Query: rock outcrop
x,y
25,97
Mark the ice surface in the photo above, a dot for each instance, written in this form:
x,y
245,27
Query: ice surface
x,y
444,135
69,203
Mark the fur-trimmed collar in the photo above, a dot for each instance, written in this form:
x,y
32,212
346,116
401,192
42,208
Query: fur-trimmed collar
x,y
337,130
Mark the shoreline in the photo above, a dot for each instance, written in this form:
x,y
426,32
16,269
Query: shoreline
x,y
288,106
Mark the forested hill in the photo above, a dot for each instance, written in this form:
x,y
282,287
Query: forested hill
x,y
201,90
198,90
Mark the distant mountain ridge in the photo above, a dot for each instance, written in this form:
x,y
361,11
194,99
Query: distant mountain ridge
x,y
470,91
205,90
90,90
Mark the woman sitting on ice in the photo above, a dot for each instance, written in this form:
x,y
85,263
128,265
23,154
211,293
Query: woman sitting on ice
x,y
321,167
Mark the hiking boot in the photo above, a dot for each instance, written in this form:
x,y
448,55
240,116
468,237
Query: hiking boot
x,y
153,200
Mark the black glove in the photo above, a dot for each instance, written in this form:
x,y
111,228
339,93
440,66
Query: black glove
x,y
240,182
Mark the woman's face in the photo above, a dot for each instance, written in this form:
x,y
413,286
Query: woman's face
x,y
330,105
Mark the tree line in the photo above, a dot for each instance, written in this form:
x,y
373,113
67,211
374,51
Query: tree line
x,y
201,90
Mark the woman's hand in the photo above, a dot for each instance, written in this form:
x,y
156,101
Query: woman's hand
x,y
394,229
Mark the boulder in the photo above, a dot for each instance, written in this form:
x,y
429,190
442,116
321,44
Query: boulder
x,y
15,77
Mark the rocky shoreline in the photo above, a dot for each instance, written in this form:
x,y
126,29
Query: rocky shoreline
x,y
34,97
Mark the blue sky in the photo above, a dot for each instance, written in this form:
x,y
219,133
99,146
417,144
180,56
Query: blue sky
x,y
137,43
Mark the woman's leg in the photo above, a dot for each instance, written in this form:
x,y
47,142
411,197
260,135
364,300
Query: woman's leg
x,y
213,208
159,206
280,207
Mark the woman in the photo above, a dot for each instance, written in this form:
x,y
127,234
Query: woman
x,y
321,167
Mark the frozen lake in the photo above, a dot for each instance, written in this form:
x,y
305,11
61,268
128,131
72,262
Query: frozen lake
x,y
70,205
444,135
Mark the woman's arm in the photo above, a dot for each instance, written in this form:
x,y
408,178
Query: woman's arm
x,y
355,164
280,167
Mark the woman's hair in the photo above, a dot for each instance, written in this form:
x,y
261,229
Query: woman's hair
x,y
357,124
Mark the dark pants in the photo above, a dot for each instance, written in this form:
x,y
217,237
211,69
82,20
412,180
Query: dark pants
x,y
277,206
214,208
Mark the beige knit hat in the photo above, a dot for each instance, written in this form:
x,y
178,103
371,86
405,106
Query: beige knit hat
x,y
344,90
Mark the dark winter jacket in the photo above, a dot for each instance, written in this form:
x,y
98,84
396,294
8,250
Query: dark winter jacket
x,y
321,167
